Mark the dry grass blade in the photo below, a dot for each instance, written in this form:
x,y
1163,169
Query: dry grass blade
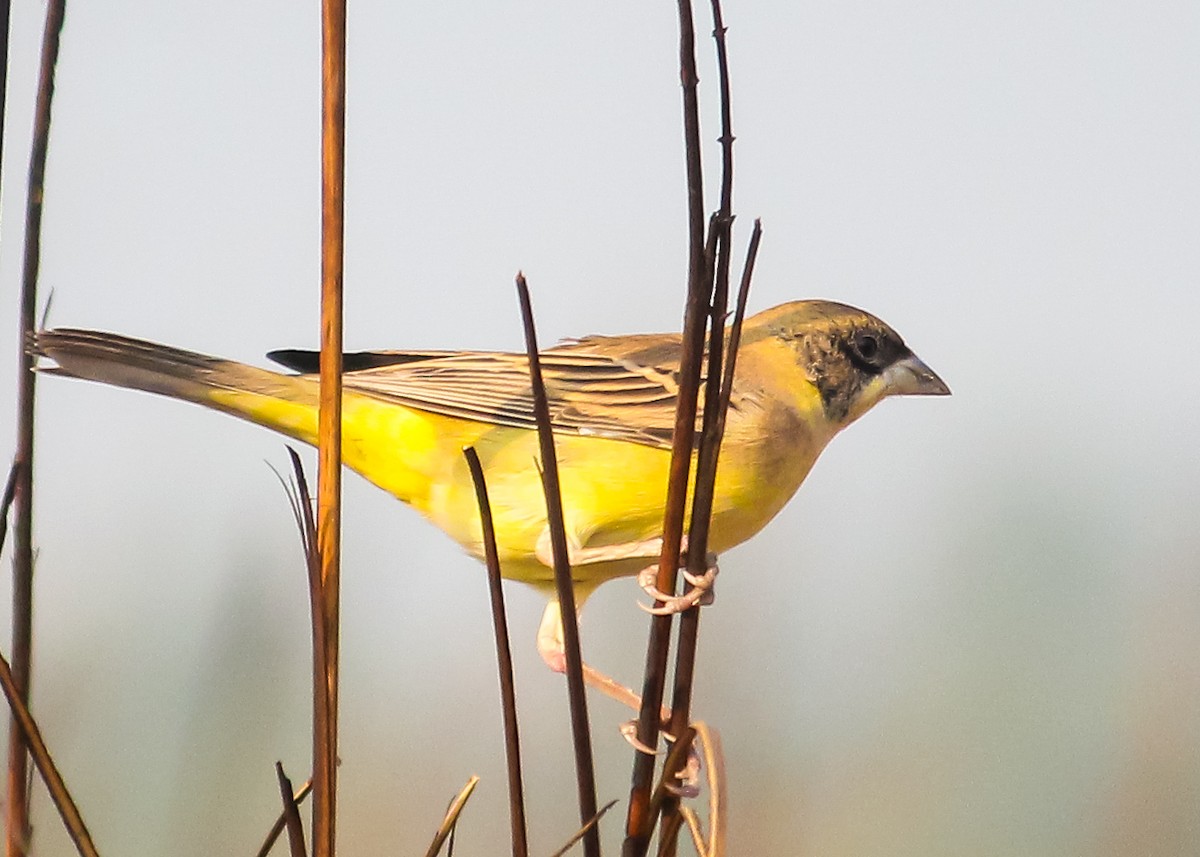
x,y
17,809
281,821
579,834
32,736
291,814
451,819
693,824
10,490
508,697
585,776
301,501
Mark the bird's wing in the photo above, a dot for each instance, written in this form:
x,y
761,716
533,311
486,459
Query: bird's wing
x,y
614,387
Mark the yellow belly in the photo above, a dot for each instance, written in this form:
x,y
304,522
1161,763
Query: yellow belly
x,y
613,491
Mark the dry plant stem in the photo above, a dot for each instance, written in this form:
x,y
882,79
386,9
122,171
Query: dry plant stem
x,y
727,137
714,404
706,475
580,732
5,14
672,821
281,821
581,832
329,440
508,697
17,804
10,491
291,814
693,824
639,820
689,625
671,826
23,720
451,819
702,502
302,507
714,762
718,388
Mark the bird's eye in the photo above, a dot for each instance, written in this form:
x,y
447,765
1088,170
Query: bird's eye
x,y
867,346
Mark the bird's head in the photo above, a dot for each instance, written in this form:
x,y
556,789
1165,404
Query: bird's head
x,y
851,357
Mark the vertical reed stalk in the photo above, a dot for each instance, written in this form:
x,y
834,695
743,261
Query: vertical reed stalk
x,y
17,803
329,446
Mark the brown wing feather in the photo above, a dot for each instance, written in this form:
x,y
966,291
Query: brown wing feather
x,y
597,386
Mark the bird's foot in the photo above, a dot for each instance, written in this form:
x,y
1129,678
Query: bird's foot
x,y
629,733
688,785
702,590
687,778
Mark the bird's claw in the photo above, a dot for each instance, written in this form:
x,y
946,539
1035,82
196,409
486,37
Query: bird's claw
x,y
702,590
629,732
688,776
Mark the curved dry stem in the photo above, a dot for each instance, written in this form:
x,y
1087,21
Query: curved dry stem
x,y
508,694
447,826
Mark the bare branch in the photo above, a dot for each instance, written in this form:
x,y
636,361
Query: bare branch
x,y
581,738
508,697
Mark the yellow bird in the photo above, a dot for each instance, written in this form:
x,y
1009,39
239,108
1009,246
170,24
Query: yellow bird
x,y
805,371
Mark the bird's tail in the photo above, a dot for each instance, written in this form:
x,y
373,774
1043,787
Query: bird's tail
x,y
285,403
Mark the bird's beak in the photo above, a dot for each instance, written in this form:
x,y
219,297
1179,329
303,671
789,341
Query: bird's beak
x,y
911,377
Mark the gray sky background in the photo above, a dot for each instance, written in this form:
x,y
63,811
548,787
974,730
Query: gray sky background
x,y
974,631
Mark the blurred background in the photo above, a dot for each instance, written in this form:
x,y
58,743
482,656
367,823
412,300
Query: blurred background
x,y
975,629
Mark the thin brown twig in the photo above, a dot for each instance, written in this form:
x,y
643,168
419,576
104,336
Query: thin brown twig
x,y
291,814
702,503
639,821
706,472
329,438
32,736
451,819
579,834
585,776
508,696
670,833
281,820
17,841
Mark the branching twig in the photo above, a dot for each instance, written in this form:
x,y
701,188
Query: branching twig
x,y
512,741
584,768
